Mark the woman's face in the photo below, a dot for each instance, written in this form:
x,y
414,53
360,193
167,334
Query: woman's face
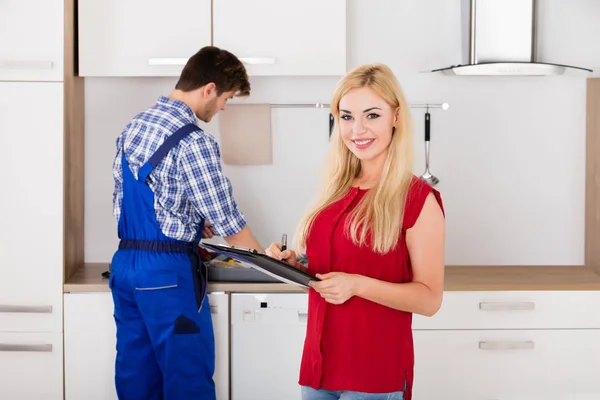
x,y
366,123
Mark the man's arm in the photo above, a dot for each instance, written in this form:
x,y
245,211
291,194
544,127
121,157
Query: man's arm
x,y
210,191
118,180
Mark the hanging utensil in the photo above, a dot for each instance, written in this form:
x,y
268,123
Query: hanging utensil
x,y
427,176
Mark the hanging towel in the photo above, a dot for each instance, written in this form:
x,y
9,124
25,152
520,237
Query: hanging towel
x,y
245,131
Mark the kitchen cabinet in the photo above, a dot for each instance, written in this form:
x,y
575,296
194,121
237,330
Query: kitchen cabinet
x,y
508,364
31,365
267,336
31,40
90,345
31,168
520,344
141,37
274,37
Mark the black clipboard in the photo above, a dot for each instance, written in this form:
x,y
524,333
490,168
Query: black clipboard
x,y
263,263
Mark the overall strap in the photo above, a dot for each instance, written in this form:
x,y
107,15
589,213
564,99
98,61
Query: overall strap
x,y
164,148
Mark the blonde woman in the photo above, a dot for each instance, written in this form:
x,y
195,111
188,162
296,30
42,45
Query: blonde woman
x,y
375,238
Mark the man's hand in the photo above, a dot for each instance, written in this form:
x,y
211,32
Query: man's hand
x,y
208,231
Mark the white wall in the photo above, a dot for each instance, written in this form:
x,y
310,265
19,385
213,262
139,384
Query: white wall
x,y
510,152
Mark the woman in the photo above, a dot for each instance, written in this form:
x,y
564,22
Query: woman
x,y
375,239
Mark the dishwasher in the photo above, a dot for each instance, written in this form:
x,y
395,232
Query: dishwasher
x,y
267,337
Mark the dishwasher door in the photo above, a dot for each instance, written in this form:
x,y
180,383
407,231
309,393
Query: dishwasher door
x,y
267,336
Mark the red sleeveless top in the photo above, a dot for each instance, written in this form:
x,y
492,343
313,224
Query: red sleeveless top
x,y
359,345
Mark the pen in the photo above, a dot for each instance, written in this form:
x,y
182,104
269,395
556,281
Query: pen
x,y
283,242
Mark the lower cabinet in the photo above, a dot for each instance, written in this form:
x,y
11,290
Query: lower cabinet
x,y
507,364
90,343
31,365
517,345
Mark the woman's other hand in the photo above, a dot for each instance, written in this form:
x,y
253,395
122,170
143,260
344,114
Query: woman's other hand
x,y
336,287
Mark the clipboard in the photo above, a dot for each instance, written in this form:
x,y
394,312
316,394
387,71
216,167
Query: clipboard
x,y
263,263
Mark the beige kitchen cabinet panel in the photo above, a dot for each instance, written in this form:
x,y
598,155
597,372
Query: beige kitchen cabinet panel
x,y
274,37
141,37
509,364
31,40
31,172
31,365
90,345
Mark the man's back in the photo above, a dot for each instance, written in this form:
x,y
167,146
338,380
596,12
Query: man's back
x,y
188,183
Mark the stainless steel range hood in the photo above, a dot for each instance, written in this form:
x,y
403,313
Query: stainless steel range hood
x,y
500,38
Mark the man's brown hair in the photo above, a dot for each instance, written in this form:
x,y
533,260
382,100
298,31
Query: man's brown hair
x,y
211,64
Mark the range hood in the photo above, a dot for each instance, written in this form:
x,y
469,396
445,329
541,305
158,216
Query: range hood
x,y
500,38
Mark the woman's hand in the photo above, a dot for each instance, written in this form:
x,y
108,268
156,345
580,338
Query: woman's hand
x,y
288,256
336,287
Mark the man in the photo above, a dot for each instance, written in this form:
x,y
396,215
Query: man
x,y
168,185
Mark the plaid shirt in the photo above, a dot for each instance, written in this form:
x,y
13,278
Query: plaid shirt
x,y
188,183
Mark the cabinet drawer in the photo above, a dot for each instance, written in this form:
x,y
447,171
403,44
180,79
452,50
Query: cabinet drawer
x,y
31,365
527,364
514,310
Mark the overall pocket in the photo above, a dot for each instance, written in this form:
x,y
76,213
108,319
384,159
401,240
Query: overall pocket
x,y
158,291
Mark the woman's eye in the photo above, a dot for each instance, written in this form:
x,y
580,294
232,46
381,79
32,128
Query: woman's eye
x,y
373,116
346,117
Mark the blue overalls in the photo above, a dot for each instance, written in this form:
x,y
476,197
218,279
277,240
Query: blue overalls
x,y
165,338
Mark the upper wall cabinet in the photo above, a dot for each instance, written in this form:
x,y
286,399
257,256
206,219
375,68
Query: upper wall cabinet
x,y
31,40
275,37
140,37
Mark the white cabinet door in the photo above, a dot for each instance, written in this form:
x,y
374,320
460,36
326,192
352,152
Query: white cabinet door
x,y
141,37
90,346
219,308
31,40
31,172
508,364
267,337
275,37
31,365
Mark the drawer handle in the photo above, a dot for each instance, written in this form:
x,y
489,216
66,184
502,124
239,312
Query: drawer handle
x,y
5,308
26,347
26,64
214,309
507,306
165,61
257,60
302,316
507,345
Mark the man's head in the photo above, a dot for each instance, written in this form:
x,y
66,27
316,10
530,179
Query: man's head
x,y
210,78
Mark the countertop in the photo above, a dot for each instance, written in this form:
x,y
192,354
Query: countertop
x,y
457,278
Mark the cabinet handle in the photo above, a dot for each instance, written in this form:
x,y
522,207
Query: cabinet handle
x,y
302,316
5,308
257,60
26,64
507,306
214,309
507,345
26,347
165,61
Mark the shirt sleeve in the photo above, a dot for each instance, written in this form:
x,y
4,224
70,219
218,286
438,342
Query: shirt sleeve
x,y
208,188
118,180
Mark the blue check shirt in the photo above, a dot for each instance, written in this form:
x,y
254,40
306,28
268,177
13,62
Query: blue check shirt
x,y
189,183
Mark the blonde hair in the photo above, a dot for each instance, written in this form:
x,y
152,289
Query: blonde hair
x,y
381,211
